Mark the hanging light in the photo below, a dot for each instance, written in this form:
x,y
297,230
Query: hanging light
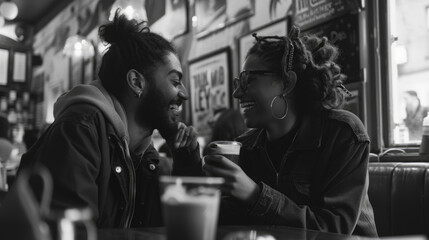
x,y
78,46
131,9
9,10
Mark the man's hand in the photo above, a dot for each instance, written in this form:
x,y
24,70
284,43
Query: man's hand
x,y
237,183
184,137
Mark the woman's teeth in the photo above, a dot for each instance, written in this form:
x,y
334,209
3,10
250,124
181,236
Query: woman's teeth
x,y
247,105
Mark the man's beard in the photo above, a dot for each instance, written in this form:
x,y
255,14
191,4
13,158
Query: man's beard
x,y
153,113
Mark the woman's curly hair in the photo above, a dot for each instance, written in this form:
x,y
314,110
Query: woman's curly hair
x,y
132,46
319,78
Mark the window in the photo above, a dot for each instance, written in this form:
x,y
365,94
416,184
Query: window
x,y
408,22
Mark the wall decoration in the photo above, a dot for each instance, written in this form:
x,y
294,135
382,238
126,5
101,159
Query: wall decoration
x,y
217,14
169,18
279,8
245,42
19,67
4,63
210,87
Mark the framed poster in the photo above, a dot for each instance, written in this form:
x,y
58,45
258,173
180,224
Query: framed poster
x,y
245,42
19,67
4,63
210,87
214,15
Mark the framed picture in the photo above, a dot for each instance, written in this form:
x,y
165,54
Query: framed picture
x,y
210,87
246,41
356,103
4,63
217,14
169,18
19,67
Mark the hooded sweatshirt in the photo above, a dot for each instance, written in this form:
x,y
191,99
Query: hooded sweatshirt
x,y
98,96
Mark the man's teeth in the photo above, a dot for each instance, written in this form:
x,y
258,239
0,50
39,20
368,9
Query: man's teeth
x,y
247,105
176,108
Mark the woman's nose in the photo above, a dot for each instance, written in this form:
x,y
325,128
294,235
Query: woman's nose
x,y
238,92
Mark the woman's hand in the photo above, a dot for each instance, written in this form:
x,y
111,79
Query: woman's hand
x,y
237,183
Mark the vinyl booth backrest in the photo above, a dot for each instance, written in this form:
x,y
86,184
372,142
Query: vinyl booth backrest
x,y
399,194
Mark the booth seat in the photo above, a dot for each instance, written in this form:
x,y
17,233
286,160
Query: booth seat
x,y
399,194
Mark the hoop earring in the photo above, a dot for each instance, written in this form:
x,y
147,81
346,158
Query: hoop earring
x,y
287,108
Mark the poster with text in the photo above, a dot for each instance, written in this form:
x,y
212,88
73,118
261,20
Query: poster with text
x,y
308,13
209,88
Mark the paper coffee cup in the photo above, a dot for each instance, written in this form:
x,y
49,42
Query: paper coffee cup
x,y
228,149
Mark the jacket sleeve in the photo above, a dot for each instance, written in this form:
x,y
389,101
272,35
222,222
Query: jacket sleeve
x,y
71,153
335,206
186,162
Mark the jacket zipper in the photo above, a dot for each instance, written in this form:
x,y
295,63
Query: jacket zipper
x,y
272,166
130,166
282,161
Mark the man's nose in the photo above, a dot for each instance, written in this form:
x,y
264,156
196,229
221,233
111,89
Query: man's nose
x,y
183,93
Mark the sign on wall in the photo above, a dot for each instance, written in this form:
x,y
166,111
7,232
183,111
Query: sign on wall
x,y
209,87
308,13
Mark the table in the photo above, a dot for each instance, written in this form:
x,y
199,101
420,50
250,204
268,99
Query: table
x,y
278,232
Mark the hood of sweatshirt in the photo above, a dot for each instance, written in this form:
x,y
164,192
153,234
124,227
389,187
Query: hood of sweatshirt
x,y
98,96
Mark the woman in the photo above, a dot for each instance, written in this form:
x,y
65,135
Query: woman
x,y
304,163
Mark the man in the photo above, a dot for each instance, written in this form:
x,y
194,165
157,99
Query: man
x,y
99,149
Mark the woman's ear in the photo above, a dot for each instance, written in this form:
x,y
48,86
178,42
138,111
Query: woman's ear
x,y
289,83
136,81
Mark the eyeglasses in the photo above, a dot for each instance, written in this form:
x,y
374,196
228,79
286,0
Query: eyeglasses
x,y
243,78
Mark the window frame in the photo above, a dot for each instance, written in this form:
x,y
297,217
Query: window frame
x,y
384,49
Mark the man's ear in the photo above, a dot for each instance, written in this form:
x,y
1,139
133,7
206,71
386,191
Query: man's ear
x,y
290,83
136,81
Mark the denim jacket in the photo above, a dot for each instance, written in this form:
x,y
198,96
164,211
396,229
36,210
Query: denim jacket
x,y
322,182
91,167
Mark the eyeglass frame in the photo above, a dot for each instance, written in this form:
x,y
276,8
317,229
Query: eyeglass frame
x,y
237,82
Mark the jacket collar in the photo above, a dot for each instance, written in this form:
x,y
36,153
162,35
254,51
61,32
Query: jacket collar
x,y
308,136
